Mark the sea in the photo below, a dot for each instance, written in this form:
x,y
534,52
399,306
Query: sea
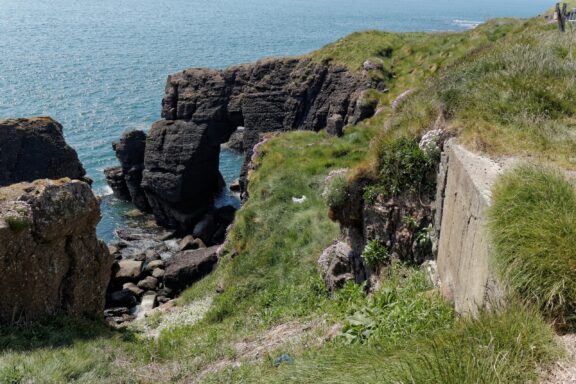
x,y
99,67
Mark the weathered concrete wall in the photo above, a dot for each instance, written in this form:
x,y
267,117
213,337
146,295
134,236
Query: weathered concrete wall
x,y
464,193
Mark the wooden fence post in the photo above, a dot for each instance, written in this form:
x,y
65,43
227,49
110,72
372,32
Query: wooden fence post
x,y
561,13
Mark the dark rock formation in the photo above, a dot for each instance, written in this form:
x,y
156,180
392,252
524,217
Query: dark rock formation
x,y
188,267
203,108
335,125
181,173
50,258
116,181
34,148
279,94
130,152
236,141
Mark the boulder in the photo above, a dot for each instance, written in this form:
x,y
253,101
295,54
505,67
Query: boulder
x,y
188,242
152,255
148,303
128,270
336,265
149,283
235,186
50,258
158,273
187,267
115,179
206,227
335,125
34,148
236,141
122,298
155,264
136,291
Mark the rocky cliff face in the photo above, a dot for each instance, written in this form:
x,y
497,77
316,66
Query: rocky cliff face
x,y
50,258
34,148
202,108
272,95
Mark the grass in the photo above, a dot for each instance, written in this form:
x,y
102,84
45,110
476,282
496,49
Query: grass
x,y
408,59
404,307
506,88
60,350
495,348
516,96
506,347
272,280
533,226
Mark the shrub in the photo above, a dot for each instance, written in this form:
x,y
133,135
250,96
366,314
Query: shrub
x,y
404,167
375,254
336,192
533,226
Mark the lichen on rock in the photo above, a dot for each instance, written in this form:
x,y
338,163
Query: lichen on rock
x,y
51,260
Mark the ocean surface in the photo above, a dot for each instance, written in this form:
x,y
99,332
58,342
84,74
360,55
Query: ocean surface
x,y
99,67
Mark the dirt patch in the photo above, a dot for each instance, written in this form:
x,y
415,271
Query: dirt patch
x,y
287,336
564,371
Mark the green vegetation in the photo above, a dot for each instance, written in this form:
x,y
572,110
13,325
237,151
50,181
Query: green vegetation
x,y
336,191
408,59
403,167
506,87
495,348
375,254
533,226
17,223
59,350
516,97
401,309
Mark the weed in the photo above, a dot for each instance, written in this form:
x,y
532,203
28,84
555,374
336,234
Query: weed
x,y
375,254
397,311
404,167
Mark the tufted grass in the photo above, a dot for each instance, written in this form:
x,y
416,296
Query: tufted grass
x,y
516,96
509,347
533,226
409,59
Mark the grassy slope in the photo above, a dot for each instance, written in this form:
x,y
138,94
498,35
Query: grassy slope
x,y
533,224
273,279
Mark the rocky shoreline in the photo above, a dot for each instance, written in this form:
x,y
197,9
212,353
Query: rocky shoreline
x,y
171,175
152,267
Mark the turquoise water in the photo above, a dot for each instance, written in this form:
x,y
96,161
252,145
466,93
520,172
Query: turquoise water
x,y
99,67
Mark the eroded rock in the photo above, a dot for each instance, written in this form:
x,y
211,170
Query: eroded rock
x,y
336,265
203,108
34,148
50,258
130,152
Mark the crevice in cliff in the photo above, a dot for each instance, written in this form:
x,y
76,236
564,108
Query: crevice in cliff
x,y
67,285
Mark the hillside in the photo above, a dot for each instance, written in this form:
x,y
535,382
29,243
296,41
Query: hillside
x,y
504,90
